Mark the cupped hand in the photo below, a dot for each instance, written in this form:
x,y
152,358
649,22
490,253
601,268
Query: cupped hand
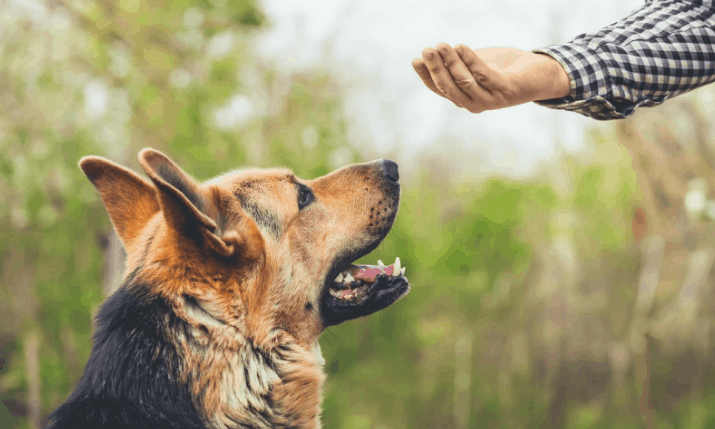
x,y
492,78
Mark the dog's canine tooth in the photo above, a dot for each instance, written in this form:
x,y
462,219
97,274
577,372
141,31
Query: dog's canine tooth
x,y
349,278
339,278
403,271
380,264
397,266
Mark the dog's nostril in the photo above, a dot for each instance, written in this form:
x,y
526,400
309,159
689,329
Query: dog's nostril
x,y
390,169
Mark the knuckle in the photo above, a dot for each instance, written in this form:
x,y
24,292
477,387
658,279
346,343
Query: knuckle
x,y
470,87
447,92
450,95
480,76
464,82
443,89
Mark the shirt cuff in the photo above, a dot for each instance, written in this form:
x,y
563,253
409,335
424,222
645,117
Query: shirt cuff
x,y
589,82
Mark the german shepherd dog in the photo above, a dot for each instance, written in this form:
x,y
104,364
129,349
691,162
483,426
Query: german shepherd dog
x,y
228,285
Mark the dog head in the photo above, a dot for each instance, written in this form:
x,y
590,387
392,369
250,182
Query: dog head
x,y
256,251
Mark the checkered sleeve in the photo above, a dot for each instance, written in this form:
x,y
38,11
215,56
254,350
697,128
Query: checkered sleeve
x,y
663,49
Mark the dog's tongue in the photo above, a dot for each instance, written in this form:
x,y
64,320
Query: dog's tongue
x,y
368,273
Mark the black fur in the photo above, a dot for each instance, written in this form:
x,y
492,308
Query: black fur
x,y
131,380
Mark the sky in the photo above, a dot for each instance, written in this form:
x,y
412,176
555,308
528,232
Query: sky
x,y
368,46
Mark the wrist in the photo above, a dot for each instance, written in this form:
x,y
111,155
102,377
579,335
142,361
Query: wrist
x,y
537,77
556,82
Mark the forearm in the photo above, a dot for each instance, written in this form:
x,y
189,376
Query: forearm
x,y
661,50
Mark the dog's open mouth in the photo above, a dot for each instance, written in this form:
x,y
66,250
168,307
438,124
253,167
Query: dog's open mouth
x,y
354,283
359,290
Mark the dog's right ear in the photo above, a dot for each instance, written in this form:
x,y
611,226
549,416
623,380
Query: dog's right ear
x,y
130,200
182,203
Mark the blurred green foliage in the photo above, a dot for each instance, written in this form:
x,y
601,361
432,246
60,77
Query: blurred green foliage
x,y
470,247
397,368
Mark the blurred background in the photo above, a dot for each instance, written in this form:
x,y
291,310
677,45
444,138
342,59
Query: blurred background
x,y
562,269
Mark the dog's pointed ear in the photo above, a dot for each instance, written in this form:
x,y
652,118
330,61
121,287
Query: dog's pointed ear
x,y
183,202
130,200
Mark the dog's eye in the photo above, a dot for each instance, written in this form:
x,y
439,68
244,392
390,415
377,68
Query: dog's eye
x,y
305,197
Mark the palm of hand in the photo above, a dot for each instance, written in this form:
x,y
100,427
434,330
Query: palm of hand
x,y
491,78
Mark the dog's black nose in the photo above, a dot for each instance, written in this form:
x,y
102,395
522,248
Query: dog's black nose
x,y
390,169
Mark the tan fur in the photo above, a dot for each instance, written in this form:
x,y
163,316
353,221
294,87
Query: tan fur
x,y
248,294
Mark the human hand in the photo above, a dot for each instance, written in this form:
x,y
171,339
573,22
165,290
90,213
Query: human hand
x,y
492,78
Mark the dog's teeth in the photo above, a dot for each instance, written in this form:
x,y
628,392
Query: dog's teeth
x,y
397,266
349,278
403,271
339,278
380,264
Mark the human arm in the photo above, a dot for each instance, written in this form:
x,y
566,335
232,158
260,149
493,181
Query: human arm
x,y
492,78
661,50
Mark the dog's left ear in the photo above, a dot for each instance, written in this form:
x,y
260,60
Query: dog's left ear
x,y
130,200
182,203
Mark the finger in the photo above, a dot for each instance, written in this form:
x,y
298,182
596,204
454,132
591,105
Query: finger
x,y
421,69
484,75
462,76
442,79
419,65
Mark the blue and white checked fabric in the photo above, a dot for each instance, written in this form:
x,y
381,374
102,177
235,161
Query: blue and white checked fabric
x,y
663,49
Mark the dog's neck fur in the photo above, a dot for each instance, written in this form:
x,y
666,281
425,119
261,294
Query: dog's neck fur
x,y
244,368
162,368
275,384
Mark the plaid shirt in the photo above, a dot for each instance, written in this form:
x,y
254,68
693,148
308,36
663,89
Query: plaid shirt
x,y
663,49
